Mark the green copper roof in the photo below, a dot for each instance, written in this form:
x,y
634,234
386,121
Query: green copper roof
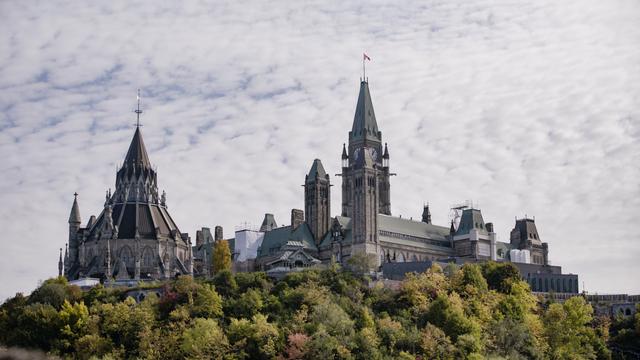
x,y
412,228
316,170
364,121
277,238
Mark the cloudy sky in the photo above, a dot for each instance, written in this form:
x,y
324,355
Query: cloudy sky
x,y
525,107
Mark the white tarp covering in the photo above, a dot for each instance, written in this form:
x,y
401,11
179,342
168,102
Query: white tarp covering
x,y
520,256
247,243
85,282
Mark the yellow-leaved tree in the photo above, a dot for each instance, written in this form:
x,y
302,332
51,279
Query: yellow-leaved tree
x,y
221,257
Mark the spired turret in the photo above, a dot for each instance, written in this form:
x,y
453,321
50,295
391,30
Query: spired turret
x,y
74,235
426,214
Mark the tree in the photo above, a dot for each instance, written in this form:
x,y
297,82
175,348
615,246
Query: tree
x,y
436,344
447,313
500,276
334,319
225,283
567,330
255,339
204,340
297,346
221,256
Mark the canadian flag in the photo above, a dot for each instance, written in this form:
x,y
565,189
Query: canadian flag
x,y
365,57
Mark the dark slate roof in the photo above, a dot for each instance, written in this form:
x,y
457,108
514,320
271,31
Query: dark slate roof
x,y
471,219
137,154
525,229
146,217
364,121
317,170
74,217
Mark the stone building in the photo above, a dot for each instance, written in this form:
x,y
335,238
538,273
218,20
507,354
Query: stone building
x,y
134,237
366,225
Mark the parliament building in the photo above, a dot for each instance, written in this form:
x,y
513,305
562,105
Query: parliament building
x,y
135,237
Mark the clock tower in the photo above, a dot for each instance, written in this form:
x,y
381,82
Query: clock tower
x,y
364,134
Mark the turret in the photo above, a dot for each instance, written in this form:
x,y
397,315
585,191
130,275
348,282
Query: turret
x,y
426,214
60,265
74,227
317,200
345,157
385,156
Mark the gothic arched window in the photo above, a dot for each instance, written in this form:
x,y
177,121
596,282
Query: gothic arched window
x,y
147,257
126,256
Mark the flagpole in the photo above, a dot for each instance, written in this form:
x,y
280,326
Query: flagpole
x,y
363,71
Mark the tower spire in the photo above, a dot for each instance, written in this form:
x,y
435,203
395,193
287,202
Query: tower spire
x,y
60,265
138,111
74,217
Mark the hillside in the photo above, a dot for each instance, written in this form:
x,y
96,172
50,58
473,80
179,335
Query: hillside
x,y
474,312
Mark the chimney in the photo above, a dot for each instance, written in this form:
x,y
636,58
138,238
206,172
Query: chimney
x,y
269,223
489,227
217,233
297,218
199,238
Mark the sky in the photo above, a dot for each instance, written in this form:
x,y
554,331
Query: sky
x,y
527,108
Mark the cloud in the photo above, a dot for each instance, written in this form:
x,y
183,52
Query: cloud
x,y
525,107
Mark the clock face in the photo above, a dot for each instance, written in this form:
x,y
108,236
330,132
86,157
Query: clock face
x,y
374,154
356,154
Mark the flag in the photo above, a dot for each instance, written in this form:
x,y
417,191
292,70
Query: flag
x,y
365,57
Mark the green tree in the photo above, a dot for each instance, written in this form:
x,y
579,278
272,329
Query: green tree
x,y
325,346
204,340
225,283
255,339
248,304
500,276
567,329
73,321
447,313
221,256
436,344
334,319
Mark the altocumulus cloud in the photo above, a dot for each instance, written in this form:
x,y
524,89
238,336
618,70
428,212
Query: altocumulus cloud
x,y
525,107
